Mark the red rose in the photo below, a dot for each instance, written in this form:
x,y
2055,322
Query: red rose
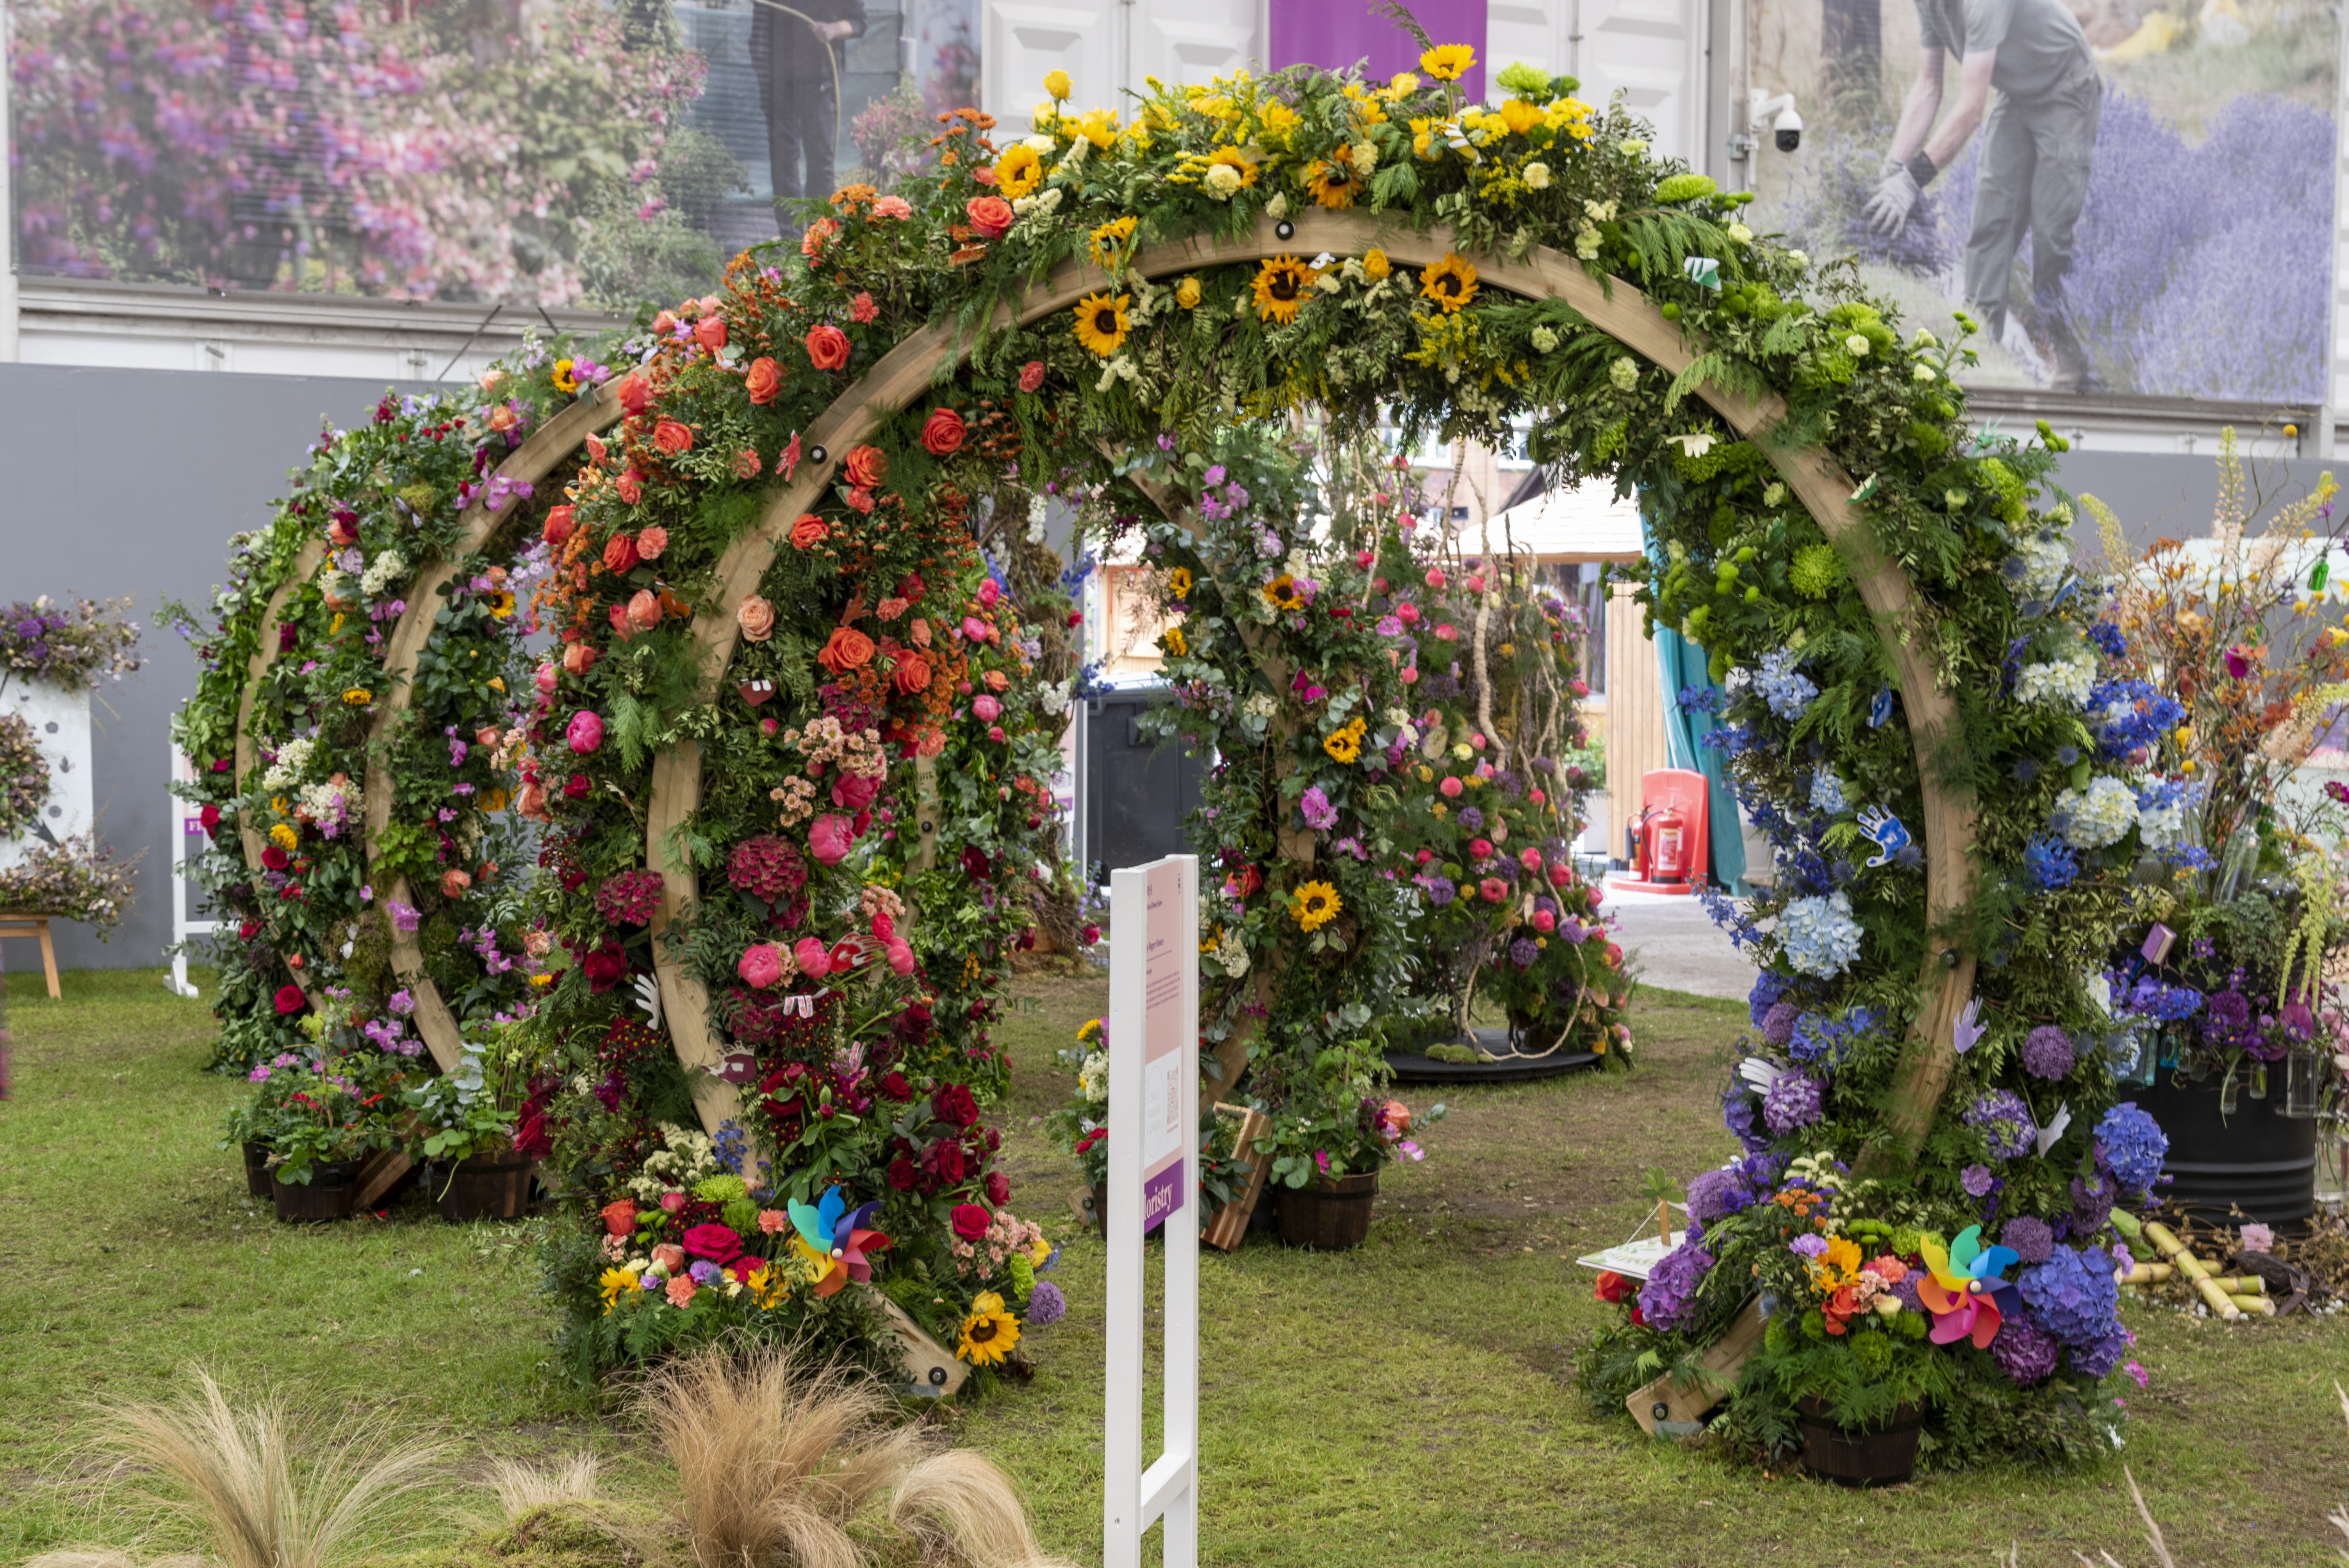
x,y
999,1187
620,1217
577,786
1610,1287
764,381
827,347
944,1160
1031,376
605,967
952,1103
209,817
913,672
718,1243
672,438
971,1221
990,215
290,1000
974,864
894,1087
866,467
904,1173
809,531
275,858
942,433
248,930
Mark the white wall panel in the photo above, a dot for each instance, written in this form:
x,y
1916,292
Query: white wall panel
x,y
1191,42
1020,42
1652,51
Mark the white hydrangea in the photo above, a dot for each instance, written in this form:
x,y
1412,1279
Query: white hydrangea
x,y
2038,567
293,762
2059,683
330,803
1818,935
1233,954
1260,707
2100,815
383,572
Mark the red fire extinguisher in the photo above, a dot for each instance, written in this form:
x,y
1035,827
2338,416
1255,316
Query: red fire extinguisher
x,y
1667,845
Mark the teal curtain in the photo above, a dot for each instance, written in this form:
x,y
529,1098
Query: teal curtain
x,y
1681,664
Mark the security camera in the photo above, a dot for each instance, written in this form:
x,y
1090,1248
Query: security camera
x,y
1787,130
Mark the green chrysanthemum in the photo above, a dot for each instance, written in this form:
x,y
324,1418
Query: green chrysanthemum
x,y
1816,572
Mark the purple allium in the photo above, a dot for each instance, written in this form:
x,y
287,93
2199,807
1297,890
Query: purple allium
x,y
1976,1179
2230,1018
2131,1146
2024,1351
1470,819
1668,1300
1441,891
1778,1024
2004,1122
1792,1104
1046,1304
2029,1239
2073,1295
2047,1054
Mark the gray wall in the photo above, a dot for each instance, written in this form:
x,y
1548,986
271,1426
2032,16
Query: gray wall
x,y
131,481
2169,495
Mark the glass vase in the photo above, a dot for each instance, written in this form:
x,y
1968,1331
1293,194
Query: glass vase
x,y
2231,1093
2258,1086
2302,1081
2331,1161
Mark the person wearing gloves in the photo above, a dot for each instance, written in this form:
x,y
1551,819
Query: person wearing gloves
x,y
2036,151
796,58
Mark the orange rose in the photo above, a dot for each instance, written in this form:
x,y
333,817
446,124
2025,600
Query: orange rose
x,y
619,554
990,215
636,392
454,882
848,649
710,332
579,658
503,418
672,438
558,525
866,467
756,617
809,531
942,433
651,542
913,672
764,381
827,347
645,610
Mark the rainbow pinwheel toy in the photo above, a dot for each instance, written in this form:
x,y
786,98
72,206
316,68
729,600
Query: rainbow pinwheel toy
x,y
831,1235
1963,1290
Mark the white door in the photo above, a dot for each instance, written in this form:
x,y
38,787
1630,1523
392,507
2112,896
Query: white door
x,y
1652,51
1192,42
1107,48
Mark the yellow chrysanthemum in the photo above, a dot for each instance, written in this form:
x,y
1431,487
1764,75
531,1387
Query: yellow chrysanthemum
x,y
1283,284
987,1336
1333,182
1107,245
1238,161
1314,905
1520,117
1178,582
1571,115
1423,132
1102,325
1374,262
1283,593
1018,171
1450,282
1186,294
613,1284
563,380
1448,62
357,696
284,836
1277,121
1175,643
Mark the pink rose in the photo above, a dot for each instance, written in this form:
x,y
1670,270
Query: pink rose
x,y
1530,860
547,675
814,961
987,707
1545,922
668,1254
831,837
1451,788
901,958
585,733
976,630
644,609
762,966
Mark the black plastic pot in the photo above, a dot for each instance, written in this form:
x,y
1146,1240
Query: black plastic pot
x,y
2256,1159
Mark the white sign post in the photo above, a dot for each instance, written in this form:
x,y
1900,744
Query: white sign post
x,y
1154,1178
187,820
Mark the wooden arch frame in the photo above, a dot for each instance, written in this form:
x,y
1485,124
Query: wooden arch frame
x,y
1613,306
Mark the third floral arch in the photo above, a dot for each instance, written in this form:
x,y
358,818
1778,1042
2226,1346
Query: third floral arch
x,y
1609,305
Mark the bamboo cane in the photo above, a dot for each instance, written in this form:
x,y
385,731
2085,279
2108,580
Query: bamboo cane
x,y
2192,1268
2148,1273
2241,1284
2256,1305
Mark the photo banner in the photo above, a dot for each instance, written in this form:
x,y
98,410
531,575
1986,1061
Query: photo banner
x,y
533,153
2128,198
1335,34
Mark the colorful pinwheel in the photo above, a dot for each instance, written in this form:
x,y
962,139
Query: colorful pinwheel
x,y
1964,1291
830,1236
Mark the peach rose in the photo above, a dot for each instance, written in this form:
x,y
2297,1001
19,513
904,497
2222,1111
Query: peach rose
x,y
990,215
756,617
866,467
636,393
672,438
913,672
809,531
645,610
710,332
453,882
579,658
652,540
764,381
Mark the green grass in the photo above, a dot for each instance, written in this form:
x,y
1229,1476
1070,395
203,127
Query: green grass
x,y
1406,1403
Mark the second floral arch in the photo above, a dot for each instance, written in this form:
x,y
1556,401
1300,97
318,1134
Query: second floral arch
x,y
909,370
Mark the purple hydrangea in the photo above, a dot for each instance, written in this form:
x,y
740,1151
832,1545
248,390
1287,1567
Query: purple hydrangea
x,y
2131,1146
2073,1295
2047,1054
1907,1291
1046,1304
2092,1204
2004,1122
2097,1360
1522,952
1792,1104
2029,1239
1778,1023
1668,1301
2024,1351
1737,1108
1976,1179
1768,989
1711,1196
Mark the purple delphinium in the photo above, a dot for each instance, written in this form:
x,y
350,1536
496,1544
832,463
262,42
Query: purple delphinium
x,y
2024,1351
1668,1300
1046,1304
2029,1239
2004,1121
2047,1053
2073,1295
1778,1024
1792,1104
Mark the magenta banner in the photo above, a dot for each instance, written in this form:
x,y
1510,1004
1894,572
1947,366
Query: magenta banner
x,y
1334,34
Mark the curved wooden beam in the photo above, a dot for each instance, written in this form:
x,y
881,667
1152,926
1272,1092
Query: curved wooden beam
x,y
540,455
264,654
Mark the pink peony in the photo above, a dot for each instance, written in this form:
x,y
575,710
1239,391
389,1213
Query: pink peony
x,y
853,792
587,732
987,707
814,961
831,837
762,966
901,958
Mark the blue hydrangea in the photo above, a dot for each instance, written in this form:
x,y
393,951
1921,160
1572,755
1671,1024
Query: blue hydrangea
x,y
2130,1148
2097,1360
1828,793
1767,989
1668,1301
1817,935
2004,1122
2073,1295
1783,687
1816,1040
1779,1026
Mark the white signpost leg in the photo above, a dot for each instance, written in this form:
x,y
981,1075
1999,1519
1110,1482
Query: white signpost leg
x,y
1154,1177
185,819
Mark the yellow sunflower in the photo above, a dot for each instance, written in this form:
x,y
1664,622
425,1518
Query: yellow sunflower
x,y
1314,905
1375,263
1283,284
1173,640
1018,171
1237,160
563,380
1450,282
1107,245
1089,1031
1178,582
614,1283
1345,743
1333,182
1448,62
989,1333
1102,325
1283,593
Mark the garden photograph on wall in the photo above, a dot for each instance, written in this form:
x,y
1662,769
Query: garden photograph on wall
x,y
2095,184
663,1074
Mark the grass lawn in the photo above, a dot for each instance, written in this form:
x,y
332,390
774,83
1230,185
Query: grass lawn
x,y
1407,1403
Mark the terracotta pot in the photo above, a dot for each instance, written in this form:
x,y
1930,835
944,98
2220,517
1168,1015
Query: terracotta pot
x,y
328,1195
1884,1457
257,1170
486,1187
1329,1217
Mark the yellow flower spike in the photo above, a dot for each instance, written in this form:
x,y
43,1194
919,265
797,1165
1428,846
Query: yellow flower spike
x,y
1448,62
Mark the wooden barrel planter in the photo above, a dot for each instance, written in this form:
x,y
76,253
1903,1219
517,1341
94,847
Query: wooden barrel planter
x,y
328,1195
257,1170
1855,1458
1328,1217
485,1187
2256,1159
